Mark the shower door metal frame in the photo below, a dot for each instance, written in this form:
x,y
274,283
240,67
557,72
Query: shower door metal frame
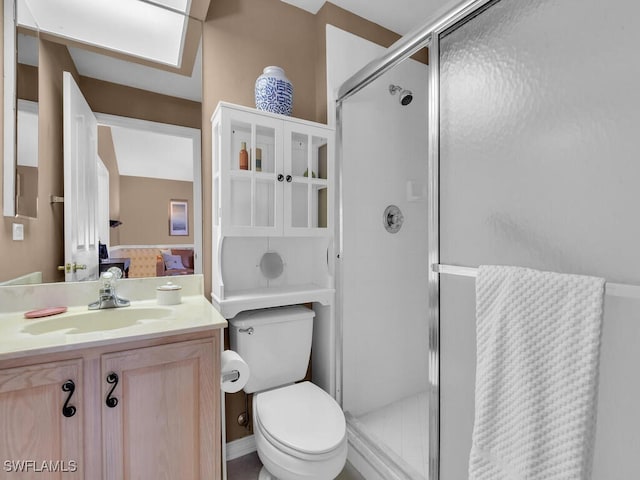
x,y
424,36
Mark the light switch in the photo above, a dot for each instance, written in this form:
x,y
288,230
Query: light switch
x,y
18,231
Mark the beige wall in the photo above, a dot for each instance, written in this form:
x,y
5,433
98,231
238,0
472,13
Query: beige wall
x,y
144,210
106,97
240,38
27,82
26,183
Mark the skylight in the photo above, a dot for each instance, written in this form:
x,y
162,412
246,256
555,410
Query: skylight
x,y
133,27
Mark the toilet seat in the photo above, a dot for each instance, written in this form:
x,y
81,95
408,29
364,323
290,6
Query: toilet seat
x,y
282,466
286,450
301,420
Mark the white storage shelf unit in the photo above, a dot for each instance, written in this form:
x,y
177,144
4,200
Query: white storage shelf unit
x,y
281,202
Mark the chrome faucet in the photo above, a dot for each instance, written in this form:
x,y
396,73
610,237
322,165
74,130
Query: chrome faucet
x,y
108,297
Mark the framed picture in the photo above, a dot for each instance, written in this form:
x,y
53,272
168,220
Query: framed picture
x,y
178,217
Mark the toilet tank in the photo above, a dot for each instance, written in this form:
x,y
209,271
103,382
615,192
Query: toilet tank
x,y
275,343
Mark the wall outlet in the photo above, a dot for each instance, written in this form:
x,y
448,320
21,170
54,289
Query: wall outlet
x,y
18,231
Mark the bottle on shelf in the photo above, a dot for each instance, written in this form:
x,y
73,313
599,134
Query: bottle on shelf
x,y
244,156
258,159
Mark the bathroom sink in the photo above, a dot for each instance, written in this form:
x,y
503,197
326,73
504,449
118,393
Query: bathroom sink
x,y
97,320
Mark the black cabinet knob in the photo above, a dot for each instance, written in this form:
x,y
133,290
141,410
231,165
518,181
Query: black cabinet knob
x,y
289,178
68,410
112,379
280,177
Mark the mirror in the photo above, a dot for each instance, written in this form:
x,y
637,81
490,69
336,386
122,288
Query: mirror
x,y
133,97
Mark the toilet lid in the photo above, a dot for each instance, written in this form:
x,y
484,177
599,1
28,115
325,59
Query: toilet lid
x,y
302,417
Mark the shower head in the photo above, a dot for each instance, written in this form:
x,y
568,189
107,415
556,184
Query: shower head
x,y
405,96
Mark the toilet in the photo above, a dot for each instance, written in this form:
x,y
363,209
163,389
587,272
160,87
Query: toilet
x,y
300,430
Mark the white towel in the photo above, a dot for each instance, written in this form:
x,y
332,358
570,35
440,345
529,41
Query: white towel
x,y
538,343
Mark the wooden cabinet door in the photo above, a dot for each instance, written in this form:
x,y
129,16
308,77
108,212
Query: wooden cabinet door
x,y
163,425
37,439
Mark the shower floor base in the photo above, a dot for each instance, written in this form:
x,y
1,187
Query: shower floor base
x,y
403,426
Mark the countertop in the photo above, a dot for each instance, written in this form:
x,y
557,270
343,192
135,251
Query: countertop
x,y
194,314
21,337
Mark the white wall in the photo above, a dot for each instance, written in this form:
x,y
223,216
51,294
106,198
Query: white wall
x,y
346,54
385,275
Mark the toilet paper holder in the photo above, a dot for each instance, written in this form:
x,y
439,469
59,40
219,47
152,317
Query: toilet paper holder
x,y
234,372
231,376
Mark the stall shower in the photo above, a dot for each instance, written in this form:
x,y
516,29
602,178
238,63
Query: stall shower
x,y
522,152
383,274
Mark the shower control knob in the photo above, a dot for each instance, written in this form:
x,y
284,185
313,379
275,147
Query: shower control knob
x,y
280,177
289,178
392,219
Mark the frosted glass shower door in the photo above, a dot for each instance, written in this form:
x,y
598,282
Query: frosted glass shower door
x,y
539,119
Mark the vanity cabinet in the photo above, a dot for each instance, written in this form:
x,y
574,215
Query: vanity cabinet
x,y
285,186
145,409
41,420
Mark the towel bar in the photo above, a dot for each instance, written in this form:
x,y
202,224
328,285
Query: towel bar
x,y
610,289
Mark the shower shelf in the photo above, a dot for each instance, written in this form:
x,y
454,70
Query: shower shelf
x,y
238,301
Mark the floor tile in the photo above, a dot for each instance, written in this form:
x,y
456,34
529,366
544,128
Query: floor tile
x,y
248,467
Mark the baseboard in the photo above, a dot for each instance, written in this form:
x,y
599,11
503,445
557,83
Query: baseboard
x,y
242,446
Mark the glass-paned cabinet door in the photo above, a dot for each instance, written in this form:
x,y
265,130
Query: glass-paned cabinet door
x,y
308,165
252,194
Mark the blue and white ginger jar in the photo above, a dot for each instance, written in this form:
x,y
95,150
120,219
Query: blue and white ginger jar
x,y
274,92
